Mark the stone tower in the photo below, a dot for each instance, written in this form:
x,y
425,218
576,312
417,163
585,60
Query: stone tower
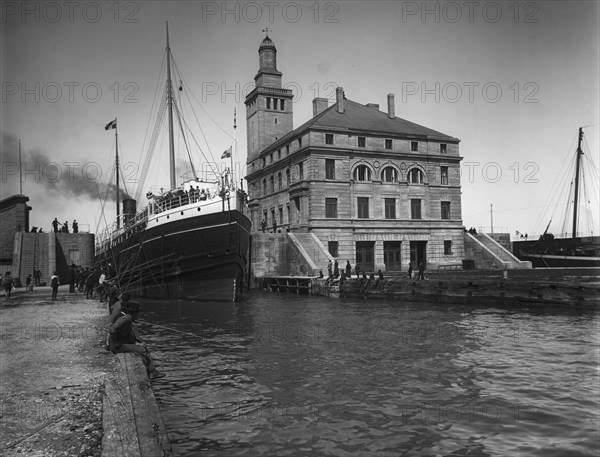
x,y
269,108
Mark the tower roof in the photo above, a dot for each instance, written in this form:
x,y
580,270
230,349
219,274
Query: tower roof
x,y
267,43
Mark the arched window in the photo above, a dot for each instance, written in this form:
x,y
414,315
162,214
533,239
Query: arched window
x,y
272,184
415,176
265,186
362,173
279,181
287,176
389,174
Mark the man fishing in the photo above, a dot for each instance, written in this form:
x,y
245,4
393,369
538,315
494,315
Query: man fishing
x,y
124,336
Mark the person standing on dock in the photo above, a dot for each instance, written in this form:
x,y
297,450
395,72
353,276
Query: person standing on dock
x,y
124,338
348,269
410,270
7,284
263,225
330,270
55,225
54,283
72,278
336,269
357,271
421,270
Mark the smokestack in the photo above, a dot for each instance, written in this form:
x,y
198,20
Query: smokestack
x,y
339,95
391,106
319,105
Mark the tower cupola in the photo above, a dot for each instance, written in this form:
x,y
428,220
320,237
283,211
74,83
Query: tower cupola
x,y
267,54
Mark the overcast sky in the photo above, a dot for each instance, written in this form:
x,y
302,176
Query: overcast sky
x,y
514,81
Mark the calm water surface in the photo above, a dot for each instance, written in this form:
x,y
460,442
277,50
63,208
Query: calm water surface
x,y
287,375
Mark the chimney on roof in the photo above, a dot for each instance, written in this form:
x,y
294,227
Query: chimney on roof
x,y
391,106
373,105
319,105
339,95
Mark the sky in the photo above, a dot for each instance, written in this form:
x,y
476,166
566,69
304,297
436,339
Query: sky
x,y
512,80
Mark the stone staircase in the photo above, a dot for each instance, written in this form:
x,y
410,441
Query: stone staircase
x,y
313,250
489,254
30,251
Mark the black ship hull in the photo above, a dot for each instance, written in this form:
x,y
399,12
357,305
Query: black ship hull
x,y
198,258
560,252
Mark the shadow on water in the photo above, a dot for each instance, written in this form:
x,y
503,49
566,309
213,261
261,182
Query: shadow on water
x,y
297,375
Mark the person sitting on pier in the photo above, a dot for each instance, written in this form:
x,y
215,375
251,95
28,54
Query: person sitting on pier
x,y
113,294
124,338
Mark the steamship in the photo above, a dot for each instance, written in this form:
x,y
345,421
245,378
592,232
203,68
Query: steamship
x,y
191,241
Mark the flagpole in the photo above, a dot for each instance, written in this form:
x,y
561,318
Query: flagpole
x,y
20,170
117,165
235,147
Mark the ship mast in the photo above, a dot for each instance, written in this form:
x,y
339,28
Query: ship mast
x,y
575,203
170,105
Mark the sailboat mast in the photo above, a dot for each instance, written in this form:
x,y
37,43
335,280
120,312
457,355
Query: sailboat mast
x,y
575,203
170,105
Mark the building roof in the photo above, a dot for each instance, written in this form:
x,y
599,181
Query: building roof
x,y
359,117
13,200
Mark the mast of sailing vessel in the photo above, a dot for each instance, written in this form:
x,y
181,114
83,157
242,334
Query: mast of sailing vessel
x,y
575,203
170,106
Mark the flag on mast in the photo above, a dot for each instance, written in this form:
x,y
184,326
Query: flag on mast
x,y
111,125
226,154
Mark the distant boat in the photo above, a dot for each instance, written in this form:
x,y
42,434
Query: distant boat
x,y
191,241
551,251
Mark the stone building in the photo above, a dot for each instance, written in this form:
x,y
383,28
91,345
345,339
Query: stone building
x,y
375,189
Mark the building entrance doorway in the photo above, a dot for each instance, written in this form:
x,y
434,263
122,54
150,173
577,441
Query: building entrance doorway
x,y
392,255
365,255
418,253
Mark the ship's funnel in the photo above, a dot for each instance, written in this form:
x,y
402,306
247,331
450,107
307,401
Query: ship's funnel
x,y
129,209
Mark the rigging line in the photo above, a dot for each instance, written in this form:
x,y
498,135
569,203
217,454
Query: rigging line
x,y
199,104
154,99
199,126
550,197
187,148
151,146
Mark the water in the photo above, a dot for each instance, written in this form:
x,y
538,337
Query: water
x,y
287,375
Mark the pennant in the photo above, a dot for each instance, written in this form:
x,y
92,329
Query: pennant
x,y
226,154
111,125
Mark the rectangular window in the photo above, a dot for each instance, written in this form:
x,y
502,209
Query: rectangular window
x,y
447,247
445,210
281,215
443,148
287,150
301,171
329,169
388,144
278,154
331,208
415,208
289,219
363,207
273,221
329,138
282,104
268,103
362,142
414,146
299,143
444,175
390,208
332,247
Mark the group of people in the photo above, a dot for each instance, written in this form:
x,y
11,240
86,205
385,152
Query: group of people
x,y
333,272
472,231
122,334
179,197
64,228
